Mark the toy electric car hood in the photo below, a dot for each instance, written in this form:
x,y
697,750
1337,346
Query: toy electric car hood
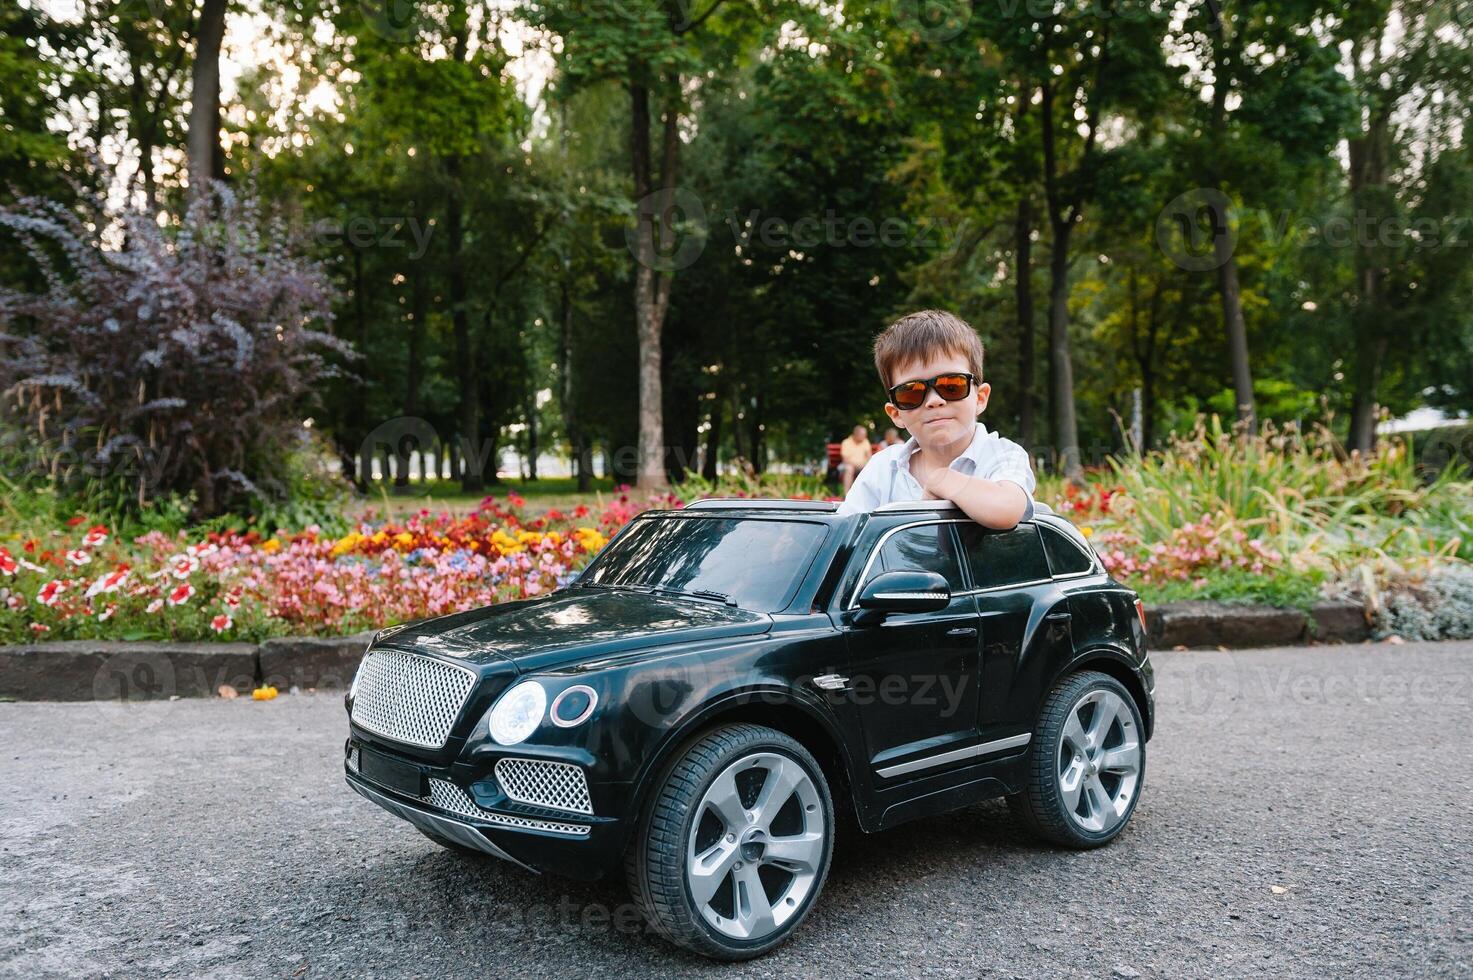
x,y
581,623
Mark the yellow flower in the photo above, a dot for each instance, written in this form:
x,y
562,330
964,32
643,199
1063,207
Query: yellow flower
x,y
271,546
380,538
346,544
264,693
404,540
1086,530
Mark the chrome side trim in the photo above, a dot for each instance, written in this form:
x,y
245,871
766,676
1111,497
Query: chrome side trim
x,y
460,833
912,595
956,755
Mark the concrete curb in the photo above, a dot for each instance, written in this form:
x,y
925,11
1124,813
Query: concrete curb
x,y
103,670
100,670
1206,624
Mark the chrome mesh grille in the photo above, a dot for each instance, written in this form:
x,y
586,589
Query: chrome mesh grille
x,y
558,785
448,796
410,699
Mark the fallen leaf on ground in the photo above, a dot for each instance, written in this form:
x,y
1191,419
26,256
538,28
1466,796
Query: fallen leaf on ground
x,y
226,691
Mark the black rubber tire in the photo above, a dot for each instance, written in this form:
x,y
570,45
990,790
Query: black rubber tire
x,y
1039,807
655,861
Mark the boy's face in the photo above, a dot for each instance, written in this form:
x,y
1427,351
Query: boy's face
x,y
938,423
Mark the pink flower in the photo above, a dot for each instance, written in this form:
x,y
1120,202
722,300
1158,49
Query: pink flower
x,y
107,613
50,592
181,594
155,606
78,557
220,623
40,628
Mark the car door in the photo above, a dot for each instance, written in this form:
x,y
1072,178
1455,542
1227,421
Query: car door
x,y
1012,585
913,677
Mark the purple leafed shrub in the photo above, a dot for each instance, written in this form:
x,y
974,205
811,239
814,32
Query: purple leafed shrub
x,y
183,361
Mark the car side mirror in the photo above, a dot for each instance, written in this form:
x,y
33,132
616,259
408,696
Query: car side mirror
x,y
903,592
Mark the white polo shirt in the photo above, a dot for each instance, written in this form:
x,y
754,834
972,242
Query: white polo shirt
x,y
887,477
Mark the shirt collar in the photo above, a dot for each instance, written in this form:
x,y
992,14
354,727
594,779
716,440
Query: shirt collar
x,y
974,448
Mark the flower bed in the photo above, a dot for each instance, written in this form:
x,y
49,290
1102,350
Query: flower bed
x,y
1280,519
83,582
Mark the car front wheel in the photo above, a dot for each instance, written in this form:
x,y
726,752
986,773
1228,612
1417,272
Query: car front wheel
x,y
1086,764
736,845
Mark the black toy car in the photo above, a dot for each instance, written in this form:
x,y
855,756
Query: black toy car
x,y
724,683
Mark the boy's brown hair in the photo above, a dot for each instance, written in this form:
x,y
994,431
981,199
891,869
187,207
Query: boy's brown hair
x,y
916,336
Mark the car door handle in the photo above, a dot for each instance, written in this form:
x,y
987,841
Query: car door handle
x,y
962,631
1062,617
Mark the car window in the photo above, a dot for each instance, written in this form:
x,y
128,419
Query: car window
x,y
1064,556
999,558
926,548
757,562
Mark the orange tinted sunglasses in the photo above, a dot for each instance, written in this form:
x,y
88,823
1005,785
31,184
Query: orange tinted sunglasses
x,y
912,394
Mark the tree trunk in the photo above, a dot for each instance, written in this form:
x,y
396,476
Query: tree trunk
x,y
1066,422
1222,247
651,288
532,445
1369,156
710,466
414,371
472,479
582,461
1023,272
204,94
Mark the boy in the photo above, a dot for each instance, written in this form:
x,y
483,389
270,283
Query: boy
x,y
930,364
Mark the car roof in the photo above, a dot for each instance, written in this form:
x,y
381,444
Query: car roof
x,y
767,505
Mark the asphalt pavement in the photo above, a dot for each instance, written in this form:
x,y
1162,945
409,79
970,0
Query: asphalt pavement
x,y
1306,812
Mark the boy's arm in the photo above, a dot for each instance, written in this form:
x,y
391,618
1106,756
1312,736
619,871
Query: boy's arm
x,y
998,504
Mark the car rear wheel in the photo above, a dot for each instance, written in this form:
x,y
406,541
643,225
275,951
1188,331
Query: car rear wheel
x,y
1086,764
736,846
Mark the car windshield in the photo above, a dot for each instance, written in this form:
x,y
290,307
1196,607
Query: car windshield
x,y
753,563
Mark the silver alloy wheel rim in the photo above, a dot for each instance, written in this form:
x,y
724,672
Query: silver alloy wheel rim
x,y
730,866
1099,765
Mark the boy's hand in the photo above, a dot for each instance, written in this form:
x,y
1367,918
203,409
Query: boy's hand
x,y
940,486
992,504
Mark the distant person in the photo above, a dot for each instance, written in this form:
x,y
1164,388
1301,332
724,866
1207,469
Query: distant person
x,y
930,364
892,437
854,453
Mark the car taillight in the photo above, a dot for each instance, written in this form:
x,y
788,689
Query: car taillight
x,y
1140,610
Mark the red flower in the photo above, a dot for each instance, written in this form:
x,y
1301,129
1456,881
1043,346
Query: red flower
x,y
95,537
181,594
7,563
76,520
40,628
50,592
220,623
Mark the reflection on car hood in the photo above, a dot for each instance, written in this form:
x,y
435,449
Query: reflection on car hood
x,y
575,623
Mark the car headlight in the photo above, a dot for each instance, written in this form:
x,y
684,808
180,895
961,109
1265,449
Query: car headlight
x,y
517,713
